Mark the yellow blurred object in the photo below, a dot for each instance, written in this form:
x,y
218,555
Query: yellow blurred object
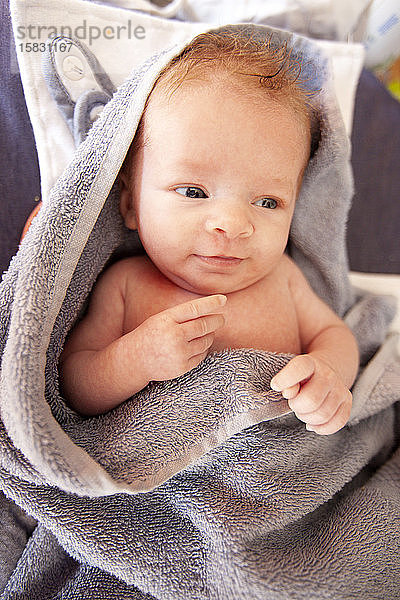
x,y
382,43
393,82
389,75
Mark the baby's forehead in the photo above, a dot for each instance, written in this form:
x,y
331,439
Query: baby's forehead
x,y
223,86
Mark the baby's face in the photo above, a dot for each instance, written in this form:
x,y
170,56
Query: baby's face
x,y
214,188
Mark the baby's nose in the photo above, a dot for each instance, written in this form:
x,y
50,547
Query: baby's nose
x,y
230,221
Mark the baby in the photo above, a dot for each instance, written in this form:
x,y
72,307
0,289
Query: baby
x,y
210,183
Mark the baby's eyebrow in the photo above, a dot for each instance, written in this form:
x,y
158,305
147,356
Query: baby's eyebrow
x,y
266,184
189,163
274,185
207,166
283,182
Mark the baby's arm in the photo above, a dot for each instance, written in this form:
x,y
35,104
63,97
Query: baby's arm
x,y
317,383
101,366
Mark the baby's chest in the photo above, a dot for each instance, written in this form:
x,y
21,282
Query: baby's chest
x,y
261,318
267,322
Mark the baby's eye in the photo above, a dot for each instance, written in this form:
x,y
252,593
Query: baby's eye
x,y
266,203
191,192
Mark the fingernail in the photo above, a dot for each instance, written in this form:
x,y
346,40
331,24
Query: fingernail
x,y
222,299
274,386
309,428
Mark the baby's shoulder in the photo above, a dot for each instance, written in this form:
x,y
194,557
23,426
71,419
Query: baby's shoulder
x,y
116,276
298,284
287,268
291,272
129,267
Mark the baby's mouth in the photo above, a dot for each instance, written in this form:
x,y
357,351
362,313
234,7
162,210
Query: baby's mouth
x,y
220,260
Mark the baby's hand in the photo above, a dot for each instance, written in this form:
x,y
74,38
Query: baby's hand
x,y
315,393
176,340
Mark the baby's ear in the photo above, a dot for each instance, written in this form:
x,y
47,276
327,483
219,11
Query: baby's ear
x,y
126,206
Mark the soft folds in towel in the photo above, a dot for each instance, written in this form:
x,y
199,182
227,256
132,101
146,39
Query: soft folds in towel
x,y
205,486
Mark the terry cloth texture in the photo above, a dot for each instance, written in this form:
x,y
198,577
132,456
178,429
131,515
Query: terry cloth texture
x,y
206,486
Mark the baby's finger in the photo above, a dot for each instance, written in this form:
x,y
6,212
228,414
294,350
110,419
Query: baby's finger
x,y
200,344
291,392
196,360
202,326
322,413
193,309
297,370
312,397
338,421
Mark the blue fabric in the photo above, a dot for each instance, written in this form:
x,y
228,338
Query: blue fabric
x,y
19,169
373,231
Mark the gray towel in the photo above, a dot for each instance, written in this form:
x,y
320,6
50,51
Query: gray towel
x,y
206,486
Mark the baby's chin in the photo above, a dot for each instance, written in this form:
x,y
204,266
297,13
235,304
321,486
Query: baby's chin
x,y
207,286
